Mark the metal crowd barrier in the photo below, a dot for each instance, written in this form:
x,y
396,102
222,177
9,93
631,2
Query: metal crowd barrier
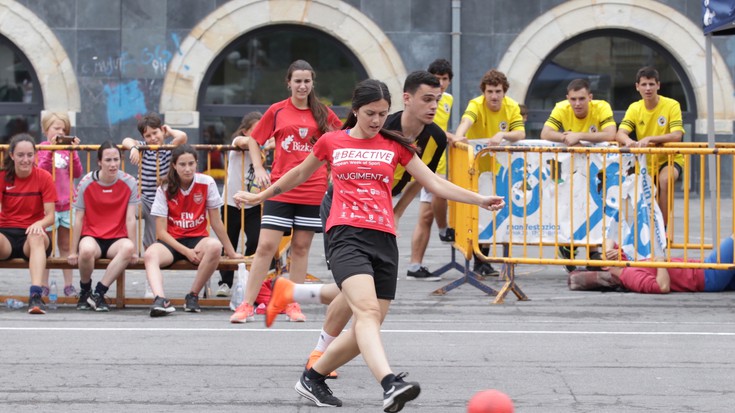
x,y
534,163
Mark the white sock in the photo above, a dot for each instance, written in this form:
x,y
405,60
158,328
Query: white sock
x,y
414,266
324,341
443,231
307,293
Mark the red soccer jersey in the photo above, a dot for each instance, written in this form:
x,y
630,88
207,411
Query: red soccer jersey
x,y
22,201
105,206
293,130
362,175
186,212
643,280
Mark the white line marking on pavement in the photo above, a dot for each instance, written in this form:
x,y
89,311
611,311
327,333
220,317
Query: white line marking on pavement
x,y
283,330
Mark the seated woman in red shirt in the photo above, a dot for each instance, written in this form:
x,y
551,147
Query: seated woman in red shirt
x,y
181,208
104,226
27,199
665,280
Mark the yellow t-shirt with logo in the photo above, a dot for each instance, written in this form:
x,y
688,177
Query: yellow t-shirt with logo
x,y
664,118
443,111
487,123
599,116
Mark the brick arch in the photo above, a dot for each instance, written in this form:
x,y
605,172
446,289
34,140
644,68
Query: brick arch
x,y
654,20
54,70
215,32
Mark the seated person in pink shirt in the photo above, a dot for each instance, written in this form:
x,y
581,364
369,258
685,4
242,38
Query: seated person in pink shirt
x,y
664,280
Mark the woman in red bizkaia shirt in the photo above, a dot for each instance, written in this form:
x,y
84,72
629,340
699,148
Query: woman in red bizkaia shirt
x,y
296,123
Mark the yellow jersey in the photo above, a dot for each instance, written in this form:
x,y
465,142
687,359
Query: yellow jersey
x,y
664,118
487,123
599,116
443,111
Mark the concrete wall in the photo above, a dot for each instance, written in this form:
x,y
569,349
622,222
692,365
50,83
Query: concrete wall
x,y
120,50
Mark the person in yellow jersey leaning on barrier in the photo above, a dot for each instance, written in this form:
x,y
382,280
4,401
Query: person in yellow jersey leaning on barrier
x,y
497,117
655,119
579,118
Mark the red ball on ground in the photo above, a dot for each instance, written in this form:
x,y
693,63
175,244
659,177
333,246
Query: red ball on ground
x,y
490,401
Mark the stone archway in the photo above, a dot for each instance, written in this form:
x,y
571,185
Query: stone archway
x,y
55,72
652,19
215,32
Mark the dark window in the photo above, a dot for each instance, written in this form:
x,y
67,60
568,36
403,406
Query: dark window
x,y
20,95
250,74
609,59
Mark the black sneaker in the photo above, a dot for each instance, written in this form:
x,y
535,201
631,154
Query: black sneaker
x,y
568,253
448,237
161,307
191,304
422,274
400,393
82,303
595,255
317,391
484,269
36,305
97,303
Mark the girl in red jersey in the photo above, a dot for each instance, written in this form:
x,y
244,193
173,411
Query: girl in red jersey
x,y
362,249
27,198
296,123
104,226
181,208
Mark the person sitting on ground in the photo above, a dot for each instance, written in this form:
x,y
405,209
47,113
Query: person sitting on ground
x,y
104,226
181,208
27,198
650,280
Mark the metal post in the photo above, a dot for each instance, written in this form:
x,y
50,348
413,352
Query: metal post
x,y
711,161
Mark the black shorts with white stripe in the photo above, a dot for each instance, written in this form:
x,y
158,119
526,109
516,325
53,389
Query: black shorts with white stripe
x,y
284,216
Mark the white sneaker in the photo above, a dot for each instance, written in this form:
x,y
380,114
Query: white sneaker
x,y
223,291
148,291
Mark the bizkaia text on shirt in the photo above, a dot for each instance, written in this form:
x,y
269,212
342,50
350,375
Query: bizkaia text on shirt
x,y
289,145
342,155
187,220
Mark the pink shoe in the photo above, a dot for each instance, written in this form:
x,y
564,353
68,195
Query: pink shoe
x,y
293,311
243,313
260,309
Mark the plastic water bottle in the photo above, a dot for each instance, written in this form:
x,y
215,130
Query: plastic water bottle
x,y
14,304
239,294
53,295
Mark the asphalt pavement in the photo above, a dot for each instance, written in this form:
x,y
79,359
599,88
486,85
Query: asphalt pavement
x,y
561,351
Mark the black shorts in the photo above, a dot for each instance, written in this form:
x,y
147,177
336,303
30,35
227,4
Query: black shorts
x,y
104,244
283,216
324,210
17,238
188,242
355,251
676,165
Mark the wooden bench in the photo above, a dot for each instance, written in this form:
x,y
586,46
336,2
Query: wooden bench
x,y
121,300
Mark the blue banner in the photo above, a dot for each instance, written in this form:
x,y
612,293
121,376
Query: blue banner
x,y
718,17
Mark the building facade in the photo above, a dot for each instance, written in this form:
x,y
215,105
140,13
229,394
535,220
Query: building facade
x,y
205,63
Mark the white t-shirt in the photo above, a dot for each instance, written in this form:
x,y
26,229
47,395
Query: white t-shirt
x,y
238,167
